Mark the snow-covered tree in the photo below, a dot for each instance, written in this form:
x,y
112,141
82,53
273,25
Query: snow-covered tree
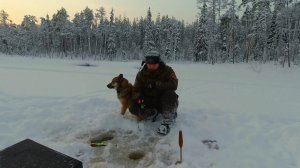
x,y
272,41
175,38
4,32
4,18
247,36
262,15
201,39
100,15
101,31
136,37
61,31
295,33
83,23
230,27
29,30
111,43
214,8
149,44
261,20
45,35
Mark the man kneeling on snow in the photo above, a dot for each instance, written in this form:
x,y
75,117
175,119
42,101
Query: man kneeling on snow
x,y
154,92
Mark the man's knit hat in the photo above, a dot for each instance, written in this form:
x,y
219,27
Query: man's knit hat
x,y
152,57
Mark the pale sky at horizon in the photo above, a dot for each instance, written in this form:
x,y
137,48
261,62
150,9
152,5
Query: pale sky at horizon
x,y
181,9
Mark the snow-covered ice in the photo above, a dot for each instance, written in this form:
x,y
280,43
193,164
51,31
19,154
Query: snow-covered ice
x,y
251,110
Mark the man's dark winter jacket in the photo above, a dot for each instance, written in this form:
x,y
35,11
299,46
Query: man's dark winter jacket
x,y
162,79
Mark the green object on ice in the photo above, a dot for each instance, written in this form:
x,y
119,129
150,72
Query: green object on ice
x,y
98,143
101,140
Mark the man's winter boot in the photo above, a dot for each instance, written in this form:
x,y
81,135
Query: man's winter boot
x,y
164,127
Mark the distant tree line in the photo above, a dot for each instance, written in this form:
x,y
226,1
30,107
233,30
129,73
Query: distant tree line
x,y
255,30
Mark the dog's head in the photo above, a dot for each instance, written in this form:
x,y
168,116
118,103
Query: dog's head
x,y
117,82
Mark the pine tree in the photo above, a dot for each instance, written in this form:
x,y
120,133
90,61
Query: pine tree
x,y
272,40
136,38
201,40
88,18
29,29
102,30
61,31
213,33
165,37
84,25
158,33
295,34
232,26
111,43
247,23
4,18
4,32
45,35
175,40
149,44
100,15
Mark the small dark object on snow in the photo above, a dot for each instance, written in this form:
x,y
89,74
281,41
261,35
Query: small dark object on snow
x,y
136,155
211,144
87,65
29,154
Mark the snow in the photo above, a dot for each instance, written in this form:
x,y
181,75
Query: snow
x,y
251,110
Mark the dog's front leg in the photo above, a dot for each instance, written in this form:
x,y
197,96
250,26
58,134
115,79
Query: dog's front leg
x,y
123,109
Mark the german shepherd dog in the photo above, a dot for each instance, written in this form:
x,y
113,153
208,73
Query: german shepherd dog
x,y
124,91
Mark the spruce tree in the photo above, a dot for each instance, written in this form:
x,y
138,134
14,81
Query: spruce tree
x,y
201,40
149,44
111,43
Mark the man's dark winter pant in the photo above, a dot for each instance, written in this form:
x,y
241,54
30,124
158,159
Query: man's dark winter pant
x,y
166,104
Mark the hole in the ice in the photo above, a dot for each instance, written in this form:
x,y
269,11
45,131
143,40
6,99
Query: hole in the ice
x,y
136,155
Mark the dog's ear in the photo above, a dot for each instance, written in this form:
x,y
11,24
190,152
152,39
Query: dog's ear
x,y
124,82
120,76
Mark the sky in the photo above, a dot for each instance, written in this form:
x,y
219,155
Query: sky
x,y
180,9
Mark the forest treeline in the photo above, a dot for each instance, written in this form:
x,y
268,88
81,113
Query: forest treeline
x,y
224,31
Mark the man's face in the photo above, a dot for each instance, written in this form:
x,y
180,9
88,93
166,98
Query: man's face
x,y
152,67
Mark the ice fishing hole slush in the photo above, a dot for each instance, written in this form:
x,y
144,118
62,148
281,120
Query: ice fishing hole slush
x,y
180,141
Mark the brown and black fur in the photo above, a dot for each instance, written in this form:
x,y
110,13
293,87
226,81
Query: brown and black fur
x,y
124,91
